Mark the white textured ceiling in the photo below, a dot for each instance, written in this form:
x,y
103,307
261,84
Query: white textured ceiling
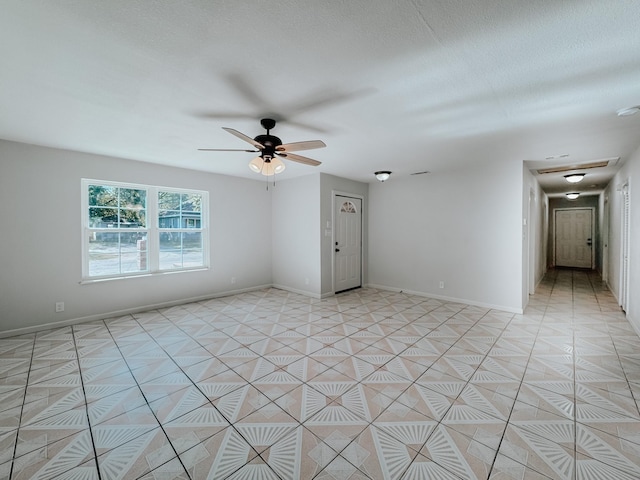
x,y
401,85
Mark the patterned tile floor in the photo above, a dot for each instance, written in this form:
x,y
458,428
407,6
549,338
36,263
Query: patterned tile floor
x,y
369,384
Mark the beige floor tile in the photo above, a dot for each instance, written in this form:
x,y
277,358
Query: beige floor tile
x,y
458,453
137,457
194,427
73,453
541,453
505,468
273,384
608,449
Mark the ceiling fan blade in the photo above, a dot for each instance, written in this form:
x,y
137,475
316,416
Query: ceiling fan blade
x,y
242,136
297,146
242,83
226,150
326,98
219,115
299,158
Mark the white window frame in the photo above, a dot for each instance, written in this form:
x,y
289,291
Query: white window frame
x,y
152,230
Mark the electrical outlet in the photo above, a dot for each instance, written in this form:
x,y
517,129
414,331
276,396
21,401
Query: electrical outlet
x,y
59,307
233,280
306,281
441,284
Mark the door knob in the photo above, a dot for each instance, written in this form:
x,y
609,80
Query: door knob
x,y
337,249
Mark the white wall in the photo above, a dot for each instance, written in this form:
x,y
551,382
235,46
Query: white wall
x,y
534,244
460,227
40,247
302,252
629,171
296,235
328,185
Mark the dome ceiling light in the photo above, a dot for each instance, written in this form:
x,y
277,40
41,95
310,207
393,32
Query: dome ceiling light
x,y
574,177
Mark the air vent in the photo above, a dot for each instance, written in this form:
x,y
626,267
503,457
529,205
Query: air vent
x,y
420,173
583,166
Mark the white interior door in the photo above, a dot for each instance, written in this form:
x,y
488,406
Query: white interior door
x,y
574,237
348,243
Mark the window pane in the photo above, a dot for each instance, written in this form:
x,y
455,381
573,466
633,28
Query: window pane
x,y
133,258
180,250
103,203
191,220
115,253
177,219
191,202
168,201
103,195
169,219
133,198
170,250
192,253
132,218
179,210
100,217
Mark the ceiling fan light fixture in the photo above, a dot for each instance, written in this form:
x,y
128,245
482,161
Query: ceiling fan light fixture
x,y
268,166
256,165
383,175
278,165
572,195
574,177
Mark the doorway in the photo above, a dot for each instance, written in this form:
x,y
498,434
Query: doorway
x,y
347,243
573,246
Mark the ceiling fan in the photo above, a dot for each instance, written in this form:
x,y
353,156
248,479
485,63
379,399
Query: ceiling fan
x,y
271,149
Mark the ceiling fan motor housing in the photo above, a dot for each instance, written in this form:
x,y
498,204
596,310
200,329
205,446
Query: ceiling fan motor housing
x,y
270,144
268,123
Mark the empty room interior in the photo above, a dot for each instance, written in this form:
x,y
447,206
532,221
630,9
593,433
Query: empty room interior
x,y
320,240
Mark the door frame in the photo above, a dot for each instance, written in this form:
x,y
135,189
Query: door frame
x,y
605,239
531,247
593,242
625,249
334,195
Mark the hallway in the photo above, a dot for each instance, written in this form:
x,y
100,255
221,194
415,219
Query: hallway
x,y
369,384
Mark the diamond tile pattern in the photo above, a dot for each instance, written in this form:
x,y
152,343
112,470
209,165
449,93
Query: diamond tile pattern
x,y
369,384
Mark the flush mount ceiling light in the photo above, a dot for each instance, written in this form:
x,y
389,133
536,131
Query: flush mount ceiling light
x,y
573,195
627,112
383,175
574,177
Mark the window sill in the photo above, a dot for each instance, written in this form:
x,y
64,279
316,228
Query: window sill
x,y
89,281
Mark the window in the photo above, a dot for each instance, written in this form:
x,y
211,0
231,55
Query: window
x,y
348,207
140,229
179,228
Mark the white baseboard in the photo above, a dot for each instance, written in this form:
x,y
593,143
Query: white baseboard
x,y
634,325
144,308
126,311
306,293
449,299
